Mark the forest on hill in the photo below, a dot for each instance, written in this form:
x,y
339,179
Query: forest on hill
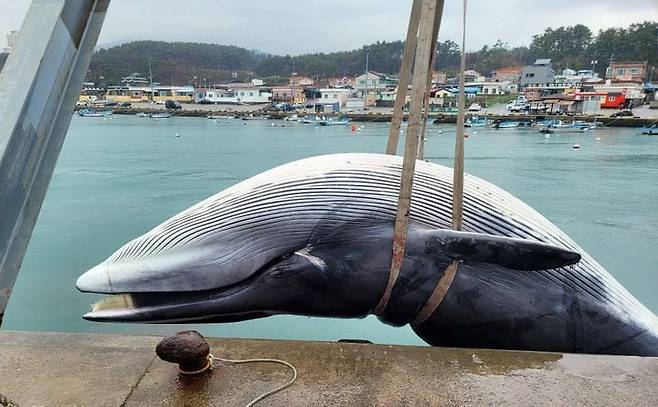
x,y
198,63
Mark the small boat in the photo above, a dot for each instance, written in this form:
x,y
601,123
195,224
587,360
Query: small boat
x,y
650,131
334,122
506,124
560,127
143,114
477,121
291,118
94,113
215,117
163,115
309,119
252,117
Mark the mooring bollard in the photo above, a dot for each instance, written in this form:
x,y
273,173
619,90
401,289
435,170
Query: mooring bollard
x,y
189,350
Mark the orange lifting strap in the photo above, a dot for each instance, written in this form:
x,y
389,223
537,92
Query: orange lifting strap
x,y
420,50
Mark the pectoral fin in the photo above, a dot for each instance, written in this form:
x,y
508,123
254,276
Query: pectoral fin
x,y
512,253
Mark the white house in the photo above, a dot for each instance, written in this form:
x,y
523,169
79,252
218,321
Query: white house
x,y
332,99
242,94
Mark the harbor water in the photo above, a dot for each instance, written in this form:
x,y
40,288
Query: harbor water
x,y
118,177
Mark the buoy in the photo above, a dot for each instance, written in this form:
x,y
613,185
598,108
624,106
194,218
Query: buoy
x,y
177,135
576,146
273,125
598,139
440,131
353,128
547,136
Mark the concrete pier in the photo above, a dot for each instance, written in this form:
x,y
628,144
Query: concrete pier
x,y
55,369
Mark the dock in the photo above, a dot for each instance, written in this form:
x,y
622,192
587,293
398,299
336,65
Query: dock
x,y
56,369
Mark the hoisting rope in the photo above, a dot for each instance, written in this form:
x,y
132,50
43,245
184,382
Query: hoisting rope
x,y
431,10
428,86
457,192
405,78
421,66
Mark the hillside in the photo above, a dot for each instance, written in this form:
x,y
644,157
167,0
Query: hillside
x,y
198,63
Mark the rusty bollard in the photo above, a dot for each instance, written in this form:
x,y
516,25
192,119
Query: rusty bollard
x,y
189,350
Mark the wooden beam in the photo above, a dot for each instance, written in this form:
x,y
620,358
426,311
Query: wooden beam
x,y
419,82
458,167
426,103
404,79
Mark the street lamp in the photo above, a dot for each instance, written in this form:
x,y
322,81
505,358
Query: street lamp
x,y
594,62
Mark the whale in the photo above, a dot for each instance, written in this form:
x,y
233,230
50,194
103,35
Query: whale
x,y
314,237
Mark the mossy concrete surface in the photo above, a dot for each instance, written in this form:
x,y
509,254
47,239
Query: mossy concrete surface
x,y
54,369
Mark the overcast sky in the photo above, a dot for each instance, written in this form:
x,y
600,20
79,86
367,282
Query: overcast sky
x,y
300,26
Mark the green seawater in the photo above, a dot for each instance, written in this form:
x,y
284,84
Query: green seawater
x,y
117,178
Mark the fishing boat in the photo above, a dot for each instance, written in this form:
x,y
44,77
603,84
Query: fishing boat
x,y
650,131
477,121
163,115
94,113
221,117
560,127
334,122
143,114
506,124
291,118
310,119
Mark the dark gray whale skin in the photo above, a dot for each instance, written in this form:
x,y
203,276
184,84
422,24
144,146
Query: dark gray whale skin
x,y
508,293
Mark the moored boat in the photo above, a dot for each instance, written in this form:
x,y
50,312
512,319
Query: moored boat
x,y
94,113
506,124
334,122
650,131
163,115
477,121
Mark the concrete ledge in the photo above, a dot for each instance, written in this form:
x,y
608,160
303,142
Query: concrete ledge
x,y
53,369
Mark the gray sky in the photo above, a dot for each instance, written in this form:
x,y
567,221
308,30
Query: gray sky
x,y
300,26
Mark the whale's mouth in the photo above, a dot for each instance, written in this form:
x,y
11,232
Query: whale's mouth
x,y
198,307
232,303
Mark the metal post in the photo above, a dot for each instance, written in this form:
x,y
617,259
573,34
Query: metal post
x,y
39,86
365,99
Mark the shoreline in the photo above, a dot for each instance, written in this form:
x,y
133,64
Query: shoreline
x,y
380,117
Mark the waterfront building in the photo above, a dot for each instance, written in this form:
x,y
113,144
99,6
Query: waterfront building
x,y
538,74
374,83
619,93
301,81
288,94
580,76
136,79
627,71
588,102
90,92
470,75
511,74
133,94
233,93
332,99
489,88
